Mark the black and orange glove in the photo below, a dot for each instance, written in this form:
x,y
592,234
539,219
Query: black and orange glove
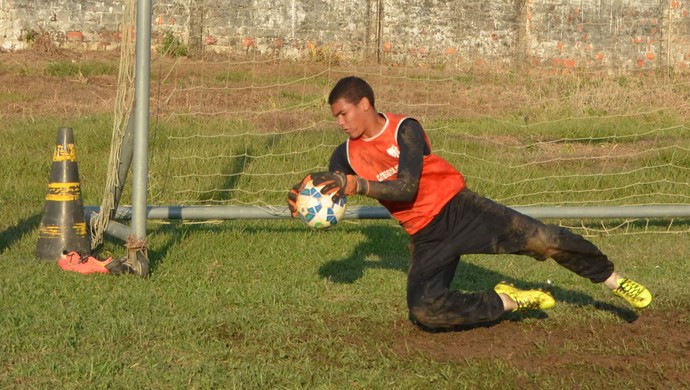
x,y
294,192
340,184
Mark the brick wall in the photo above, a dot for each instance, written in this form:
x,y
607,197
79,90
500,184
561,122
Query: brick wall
x,y
616,34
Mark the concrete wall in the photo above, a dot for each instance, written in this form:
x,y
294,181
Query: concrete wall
x,y
559,34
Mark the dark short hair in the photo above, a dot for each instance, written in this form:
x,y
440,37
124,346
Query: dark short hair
x,y
352,89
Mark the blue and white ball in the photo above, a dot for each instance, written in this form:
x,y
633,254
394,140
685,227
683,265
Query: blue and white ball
x,y
317,210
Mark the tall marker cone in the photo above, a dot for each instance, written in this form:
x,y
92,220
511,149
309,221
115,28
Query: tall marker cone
x,y
63,225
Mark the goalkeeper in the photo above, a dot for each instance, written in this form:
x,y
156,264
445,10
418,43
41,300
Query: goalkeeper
x,y
388,157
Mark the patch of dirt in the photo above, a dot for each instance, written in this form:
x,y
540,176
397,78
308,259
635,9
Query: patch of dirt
x,y
646,351
237,86
27,91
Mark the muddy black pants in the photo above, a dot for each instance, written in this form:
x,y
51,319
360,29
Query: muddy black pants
x,y
472,224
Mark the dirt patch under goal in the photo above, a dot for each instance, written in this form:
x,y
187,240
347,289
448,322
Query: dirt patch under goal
x,y
647,350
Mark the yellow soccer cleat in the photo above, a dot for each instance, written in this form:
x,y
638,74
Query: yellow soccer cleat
x,y
636,294
526,299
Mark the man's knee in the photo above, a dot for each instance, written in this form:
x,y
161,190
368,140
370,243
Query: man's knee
x,y
425,318
423,306
545,241
420,313
435,316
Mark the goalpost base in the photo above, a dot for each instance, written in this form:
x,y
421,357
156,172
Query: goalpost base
x,y
137,252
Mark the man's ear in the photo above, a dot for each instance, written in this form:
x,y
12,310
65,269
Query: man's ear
x,y
364,104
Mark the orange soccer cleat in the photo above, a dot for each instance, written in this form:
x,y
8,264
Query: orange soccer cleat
x,y
87,264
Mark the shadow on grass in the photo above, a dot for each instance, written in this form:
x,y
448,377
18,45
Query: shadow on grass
x,y
386,248
389,246
222,187
175,233
230,176
579,299
17,232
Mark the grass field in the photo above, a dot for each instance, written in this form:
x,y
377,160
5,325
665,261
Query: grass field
x,y
270,304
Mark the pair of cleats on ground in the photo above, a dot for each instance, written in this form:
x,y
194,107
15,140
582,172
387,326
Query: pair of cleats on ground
x,y
634,293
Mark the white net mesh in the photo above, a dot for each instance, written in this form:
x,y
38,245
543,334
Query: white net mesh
x,y
238,132
240,127
123,108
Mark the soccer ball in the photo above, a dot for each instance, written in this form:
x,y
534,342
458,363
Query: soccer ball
x,y
317,210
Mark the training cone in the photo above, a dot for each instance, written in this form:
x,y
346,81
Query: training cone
x,y
63,225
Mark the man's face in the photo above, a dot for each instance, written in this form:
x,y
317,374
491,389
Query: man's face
x,y
350,116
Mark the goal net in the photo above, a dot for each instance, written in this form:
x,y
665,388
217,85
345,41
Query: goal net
x,y
241,131
239,128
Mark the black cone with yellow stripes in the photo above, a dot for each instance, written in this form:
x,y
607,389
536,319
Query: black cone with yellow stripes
x,y
63,225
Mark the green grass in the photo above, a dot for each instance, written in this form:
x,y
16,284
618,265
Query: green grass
x,y
233,305
270,304
86,69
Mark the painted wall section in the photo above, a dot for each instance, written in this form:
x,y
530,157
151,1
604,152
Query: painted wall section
x,y
558,34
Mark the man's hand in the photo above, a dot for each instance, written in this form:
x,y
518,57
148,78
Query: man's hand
x,y
340,184
294,192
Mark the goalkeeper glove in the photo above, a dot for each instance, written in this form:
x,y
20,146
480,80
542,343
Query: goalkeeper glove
x,y
340,184
294,192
